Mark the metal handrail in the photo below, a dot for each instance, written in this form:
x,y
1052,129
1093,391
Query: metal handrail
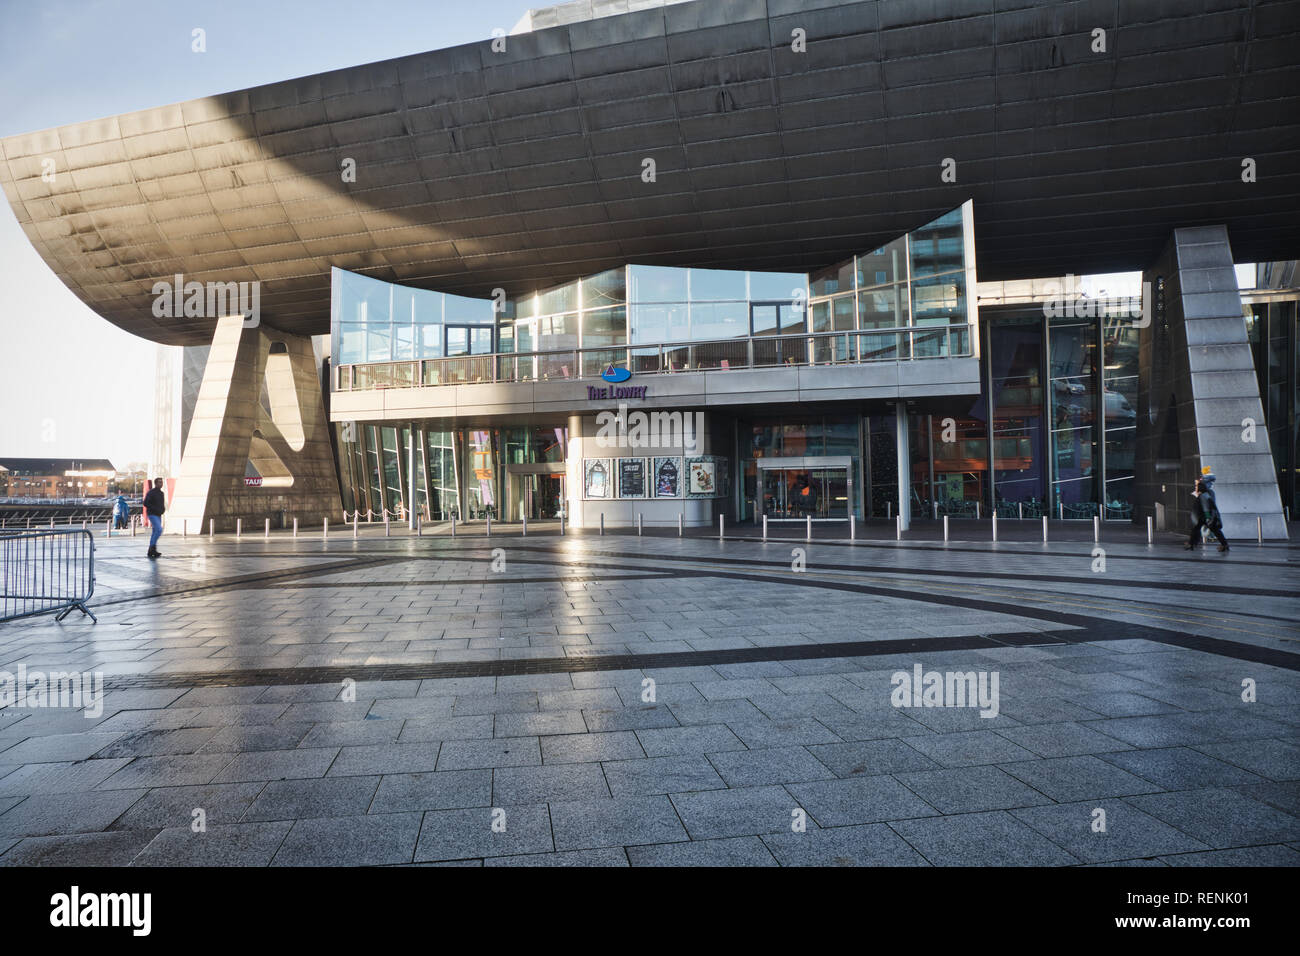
x,y
853,347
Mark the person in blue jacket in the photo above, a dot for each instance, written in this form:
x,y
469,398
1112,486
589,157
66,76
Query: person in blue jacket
x,y
121,512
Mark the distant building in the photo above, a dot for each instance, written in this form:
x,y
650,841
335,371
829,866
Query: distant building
x,y
56,477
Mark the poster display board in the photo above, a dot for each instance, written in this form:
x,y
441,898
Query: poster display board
x,y
631,478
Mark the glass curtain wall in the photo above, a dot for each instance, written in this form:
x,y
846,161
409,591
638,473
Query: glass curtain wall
x,y
919,280
1119,410
376,321
1072,411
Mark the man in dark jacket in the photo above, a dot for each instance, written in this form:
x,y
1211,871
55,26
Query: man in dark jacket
x,y
1205,514
155,504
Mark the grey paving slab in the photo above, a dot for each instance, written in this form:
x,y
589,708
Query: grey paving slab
x,y
1130,833
1181,768
117,848
602,857
241,739
620,821
656,775
66,777
666,741
869,758
1274,855
627,718
385,758
969,748
586,748
738,811
278,765
59,813
443,790
417,729
57,748
371,840
981,839
351,733
1067,779
539,725
169,807
774,765
548,784
1219,817
238,844
970,789
483,832
323,797
732,851
868,845
1062,740
1271,759
478,754
833,803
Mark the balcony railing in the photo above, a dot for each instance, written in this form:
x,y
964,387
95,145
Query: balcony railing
x,y
775,351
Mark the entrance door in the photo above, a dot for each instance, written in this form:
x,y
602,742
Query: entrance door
x,y
536,493
820,488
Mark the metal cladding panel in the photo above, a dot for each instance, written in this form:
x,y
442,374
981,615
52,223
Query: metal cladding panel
x,y
477,169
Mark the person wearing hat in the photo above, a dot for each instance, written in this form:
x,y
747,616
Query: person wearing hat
x,y
1205,514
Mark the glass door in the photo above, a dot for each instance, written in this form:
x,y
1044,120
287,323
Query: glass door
x,y
796,489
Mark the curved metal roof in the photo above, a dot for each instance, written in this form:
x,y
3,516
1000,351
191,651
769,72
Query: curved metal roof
x,y
478,169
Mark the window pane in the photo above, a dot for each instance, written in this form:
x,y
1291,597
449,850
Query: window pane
x,y
652,324
884,308
563,299
716,285
886,264
657,284
604,327
777,286
940,301
829,281
719,320
605,289
937,246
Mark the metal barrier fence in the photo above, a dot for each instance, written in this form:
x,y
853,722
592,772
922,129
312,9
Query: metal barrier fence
x,y
46,571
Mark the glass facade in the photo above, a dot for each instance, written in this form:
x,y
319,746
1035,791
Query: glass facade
x,y
376,321
1273,330
919,281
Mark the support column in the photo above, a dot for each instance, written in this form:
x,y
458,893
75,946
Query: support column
x,y
287,443
904,467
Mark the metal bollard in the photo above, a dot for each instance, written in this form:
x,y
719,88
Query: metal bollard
x,y
977,511
325,529
638,524
1044,529
935,506
1022,511
134,525
524,532
889,509
602,522
721,527
1259,529
995,526
267,530
239,526
453,526
212,527
419,525
108,527
764,527
185,527
1151,530
561,524
489,526
387,527
679,526
898,528
1096,529
808,526
295,526
945,528
1060,511
853,527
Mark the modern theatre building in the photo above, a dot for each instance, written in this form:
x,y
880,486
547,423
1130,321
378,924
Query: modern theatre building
x,y
676,261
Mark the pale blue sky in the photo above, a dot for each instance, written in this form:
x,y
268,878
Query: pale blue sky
x,y
74,385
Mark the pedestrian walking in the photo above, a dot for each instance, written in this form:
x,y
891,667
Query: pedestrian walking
x,y
1205,514
155,505
121,512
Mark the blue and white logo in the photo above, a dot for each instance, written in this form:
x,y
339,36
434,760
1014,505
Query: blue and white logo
x,y
613,374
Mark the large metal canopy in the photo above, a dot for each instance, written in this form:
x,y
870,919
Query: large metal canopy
x,y
478,169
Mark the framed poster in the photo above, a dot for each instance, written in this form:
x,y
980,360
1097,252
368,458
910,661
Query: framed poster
x,y
667,477
703,476
631,477
596,478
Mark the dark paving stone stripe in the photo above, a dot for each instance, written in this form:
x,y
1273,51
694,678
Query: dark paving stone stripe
x,y
466,582
241,581
1161,585
555,665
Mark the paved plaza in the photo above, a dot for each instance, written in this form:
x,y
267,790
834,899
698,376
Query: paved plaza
x,y
656,700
